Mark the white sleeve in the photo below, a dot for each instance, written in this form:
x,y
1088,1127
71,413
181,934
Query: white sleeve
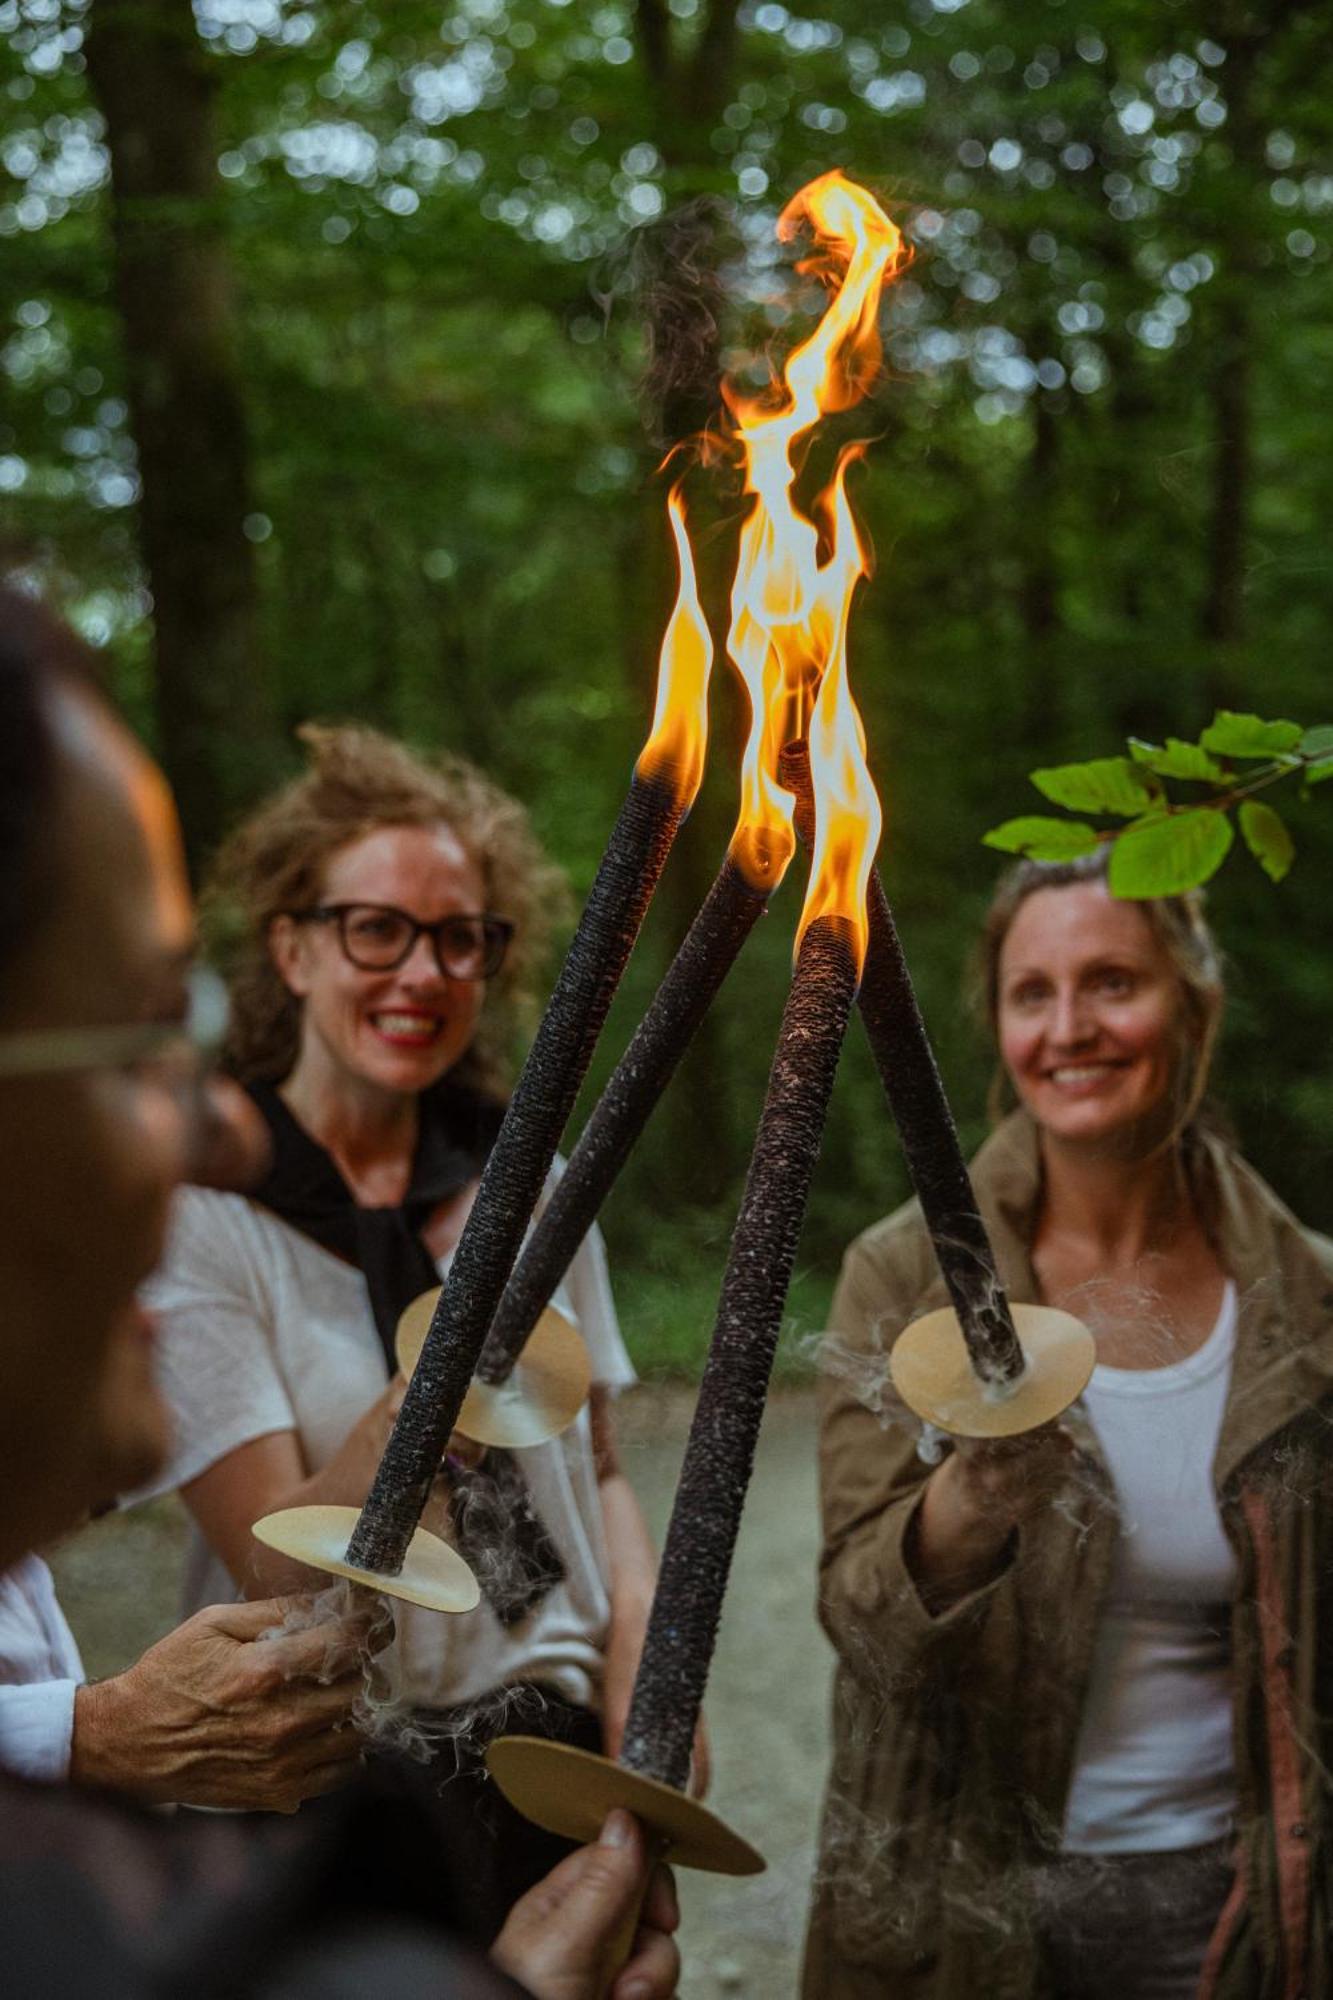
x,y
37,1729
587,1286
40,1670
216,1361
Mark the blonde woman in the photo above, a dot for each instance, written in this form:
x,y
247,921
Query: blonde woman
x,y
1084,1711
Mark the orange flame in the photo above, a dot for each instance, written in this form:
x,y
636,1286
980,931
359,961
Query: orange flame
x,y
847,808
678,740
788,608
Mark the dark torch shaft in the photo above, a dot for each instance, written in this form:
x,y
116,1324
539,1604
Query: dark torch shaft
x,y
726,918
516,1170
719,1456
915,1090
920,1110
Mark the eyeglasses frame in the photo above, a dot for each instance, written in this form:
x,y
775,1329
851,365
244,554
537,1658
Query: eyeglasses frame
x,y
499,929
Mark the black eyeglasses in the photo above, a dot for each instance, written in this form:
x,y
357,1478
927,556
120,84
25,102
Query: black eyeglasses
x,y
378,938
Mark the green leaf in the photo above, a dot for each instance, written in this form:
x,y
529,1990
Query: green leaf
x,y
1318,743
1267,838
1043,839
1169,853
1176,759
1107,784
1232,735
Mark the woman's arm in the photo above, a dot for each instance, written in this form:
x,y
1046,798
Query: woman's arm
x,y
632,1561
907,1561
269,1473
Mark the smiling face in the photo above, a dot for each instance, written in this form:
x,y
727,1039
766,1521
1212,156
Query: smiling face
x,y
392,1032
1091,1017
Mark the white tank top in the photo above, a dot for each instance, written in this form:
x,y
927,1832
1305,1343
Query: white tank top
x,y
1154,1767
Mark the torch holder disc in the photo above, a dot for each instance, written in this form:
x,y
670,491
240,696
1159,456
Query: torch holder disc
x,y
933,1374
433,1575
570,1792
542,1395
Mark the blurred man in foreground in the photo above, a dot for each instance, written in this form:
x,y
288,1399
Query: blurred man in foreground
x,y
97,1113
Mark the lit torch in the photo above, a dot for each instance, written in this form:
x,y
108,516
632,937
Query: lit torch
x,y
789,607
383,1546
564,1789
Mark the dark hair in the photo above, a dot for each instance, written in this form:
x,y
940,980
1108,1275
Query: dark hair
x,y
1180,927
356,782
37,653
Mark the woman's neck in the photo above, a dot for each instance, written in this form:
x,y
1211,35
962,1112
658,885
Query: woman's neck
x,y
1120,1210
371,1134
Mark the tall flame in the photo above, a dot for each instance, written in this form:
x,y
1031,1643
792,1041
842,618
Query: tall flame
x,y
678,740
788,608
847,808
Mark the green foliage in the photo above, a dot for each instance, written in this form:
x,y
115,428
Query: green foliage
x,y
1229,735
1168,854
1175,759
1107,784
1267,838
439,223
1042,839
1176,845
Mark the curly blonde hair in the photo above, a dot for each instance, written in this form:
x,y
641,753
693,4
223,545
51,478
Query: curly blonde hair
x,y
274,863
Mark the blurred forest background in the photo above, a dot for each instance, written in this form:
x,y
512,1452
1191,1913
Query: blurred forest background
x,y
322,393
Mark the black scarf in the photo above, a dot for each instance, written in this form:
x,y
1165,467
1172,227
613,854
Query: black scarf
x,y
496,1528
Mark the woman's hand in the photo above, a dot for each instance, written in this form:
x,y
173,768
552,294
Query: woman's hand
x,y
562,1940
973,1505
346,1478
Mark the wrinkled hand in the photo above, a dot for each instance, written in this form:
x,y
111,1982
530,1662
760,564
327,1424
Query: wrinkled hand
x,y
559,1939
217,1715
973,1503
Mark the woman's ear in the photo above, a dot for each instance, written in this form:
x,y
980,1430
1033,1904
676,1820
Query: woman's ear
x,y
287,947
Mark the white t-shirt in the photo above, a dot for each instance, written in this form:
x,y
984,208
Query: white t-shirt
x,y
1154,1769
40,1671
262,1330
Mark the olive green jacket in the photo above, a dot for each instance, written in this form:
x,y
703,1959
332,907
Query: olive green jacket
x,y
954,1736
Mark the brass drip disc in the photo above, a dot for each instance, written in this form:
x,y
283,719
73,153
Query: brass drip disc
x,y
544,1392
933,1373
570,1792
433,1575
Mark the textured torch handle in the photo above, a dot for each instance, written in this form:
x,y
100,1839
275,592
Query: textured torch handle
x,y
920,1109
719,1456
915,1090
519,1162
726,918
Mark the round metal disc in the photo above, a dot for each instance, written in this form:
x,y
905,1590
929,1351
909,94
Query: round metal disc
x,y
570,1791
933,1374
545,1391
433,1575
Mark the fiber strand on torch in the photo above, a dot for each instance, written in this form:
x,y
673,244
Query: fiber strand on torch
x,y
663,788
719,1456
726,918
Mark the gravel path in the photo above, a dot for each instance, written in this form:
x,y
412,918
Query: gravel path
x,y
767,1702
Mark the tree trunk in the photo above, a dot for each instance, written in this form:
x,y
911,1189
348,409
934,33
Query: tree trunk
x,y
1040,588
682,394
152,81
1222,608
